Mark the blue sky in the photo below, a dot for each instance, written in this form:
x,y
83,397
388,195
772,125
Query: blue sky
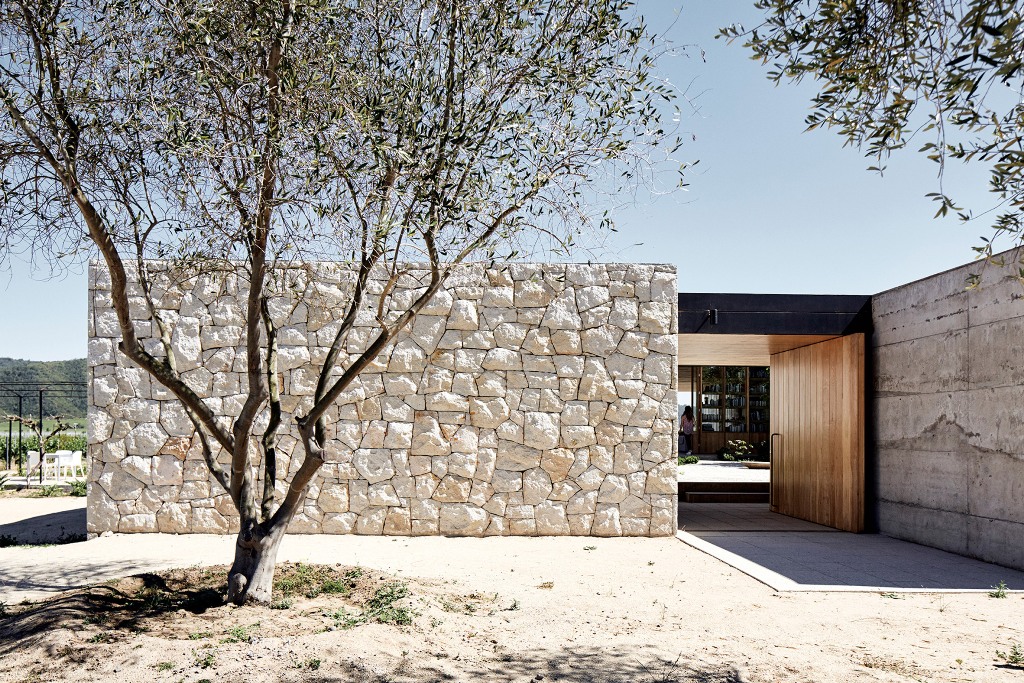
x,y
769,209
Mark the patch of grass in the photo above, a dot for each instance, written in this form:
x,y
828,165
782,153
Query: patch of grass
x,y
79,488
1015,657
998,591
380,608
281,603
199,635
313,580
205,660
50,491
547,585
312,664
240,634
101,637
688,460
163,666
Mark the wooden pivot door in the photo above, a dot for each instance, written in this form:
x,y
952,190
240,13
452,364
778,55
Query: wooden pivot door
x,y
817,418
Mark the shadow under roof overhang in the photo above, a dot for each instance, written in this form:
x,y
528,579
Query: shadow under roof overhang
x,y
746,329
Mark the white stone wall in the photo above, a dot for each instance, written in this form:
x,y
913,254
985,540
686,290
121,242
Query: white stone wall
x,y
526,400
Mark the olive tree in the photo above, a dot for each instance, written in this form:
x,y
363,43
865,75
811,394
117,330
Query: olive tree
x,y
948,72
238,135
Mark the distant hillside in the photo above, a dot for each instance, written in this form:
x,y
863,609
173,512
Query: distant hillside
x,y
12,370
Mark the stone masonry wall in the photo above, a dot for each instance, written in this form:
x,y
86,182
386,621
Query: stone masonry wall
x,y
949,430
525,400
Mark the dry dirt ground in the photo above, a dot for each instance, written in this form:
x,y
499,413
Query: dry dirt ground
x,y
569,609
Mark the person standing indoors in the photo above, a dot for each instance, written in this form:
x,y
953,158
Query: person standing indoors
x,y
686,431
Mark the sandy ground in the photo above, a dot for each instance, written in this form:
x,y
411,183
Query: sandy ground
x,y
516,609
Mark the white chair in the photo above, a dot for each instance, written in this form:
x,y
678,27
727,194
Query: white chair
x,y
69,464
33,462
51,464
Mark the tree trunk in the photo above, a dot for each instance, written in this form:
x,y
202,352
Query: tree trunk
x,y
251,578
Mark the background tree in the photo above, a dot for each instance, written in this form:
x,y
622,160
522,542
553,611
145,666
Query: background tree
x,y
236,137
946,71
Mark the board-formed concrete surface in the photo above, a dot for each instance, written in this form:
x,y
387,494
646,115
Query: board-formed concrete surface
x,y
948,391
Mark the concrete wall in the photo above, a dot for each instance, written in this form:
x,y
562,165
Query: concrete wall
x,y
532,399
949,414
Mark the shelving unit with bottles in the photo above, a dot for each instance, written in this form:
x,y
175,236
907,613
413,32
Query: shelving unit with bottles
x,y
732,404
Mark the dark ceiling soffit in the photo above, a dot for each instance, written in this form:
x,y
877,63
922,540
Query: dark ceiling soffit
x,y
774,314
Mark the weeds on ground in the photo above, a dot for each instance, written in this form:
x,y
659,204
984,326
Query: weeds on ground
x,y
204,660
79,488
163,666
199,635
998,591
281,603
312,664
313,580
381,608
50,491
240,634
1015,657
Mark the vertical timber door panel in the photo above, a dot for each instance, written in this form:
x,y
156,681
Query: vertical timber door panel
x,y
817,414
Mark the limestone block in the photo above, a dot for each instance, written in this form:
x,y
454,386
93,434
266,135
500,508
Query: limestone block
x,y
106,324
382,494
516,457
373,464
625,314
419,464
536,486
371,521
510,335
339,523
659,367
427,331
207,520
407,357
562,313
464,316
425,509
590,480
480,493
662,478
502,359
101,351
576,436
426,484
551,519
174,518
637,483
397,522
523,527
634,344
538,343
399,385
166,471
453,489
146,439
100,426
596,384
557,462
633,506
614,489
541,430
333,498
486,458
439,466
137,523
399,435
607,521
460,519
447,401
581,525
627,458
439,304
655,317
504,481
463,464
427,438
499,297
635,526
532,294
104,391
216,336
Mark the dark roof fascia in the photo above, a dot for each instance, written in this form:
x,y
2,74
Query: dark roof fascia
x,y
774,313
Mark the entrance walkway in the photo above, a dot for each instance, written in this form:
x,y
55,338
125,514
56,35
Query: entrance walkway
x,y
792,555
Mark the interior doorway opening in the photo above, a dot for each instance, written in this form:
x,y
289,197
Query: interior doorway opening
x,y
809,428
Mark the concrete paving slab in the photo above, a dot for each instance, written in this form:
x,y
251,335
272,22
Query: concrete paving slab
x,y
721,471
839,561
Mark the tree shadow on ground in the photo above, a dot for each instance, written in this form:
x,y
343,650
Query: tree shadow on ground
x,y
67,526
578,665
118,607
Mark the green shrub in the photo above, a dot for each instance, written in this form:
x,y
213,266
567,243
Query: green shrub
x,y
688,459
